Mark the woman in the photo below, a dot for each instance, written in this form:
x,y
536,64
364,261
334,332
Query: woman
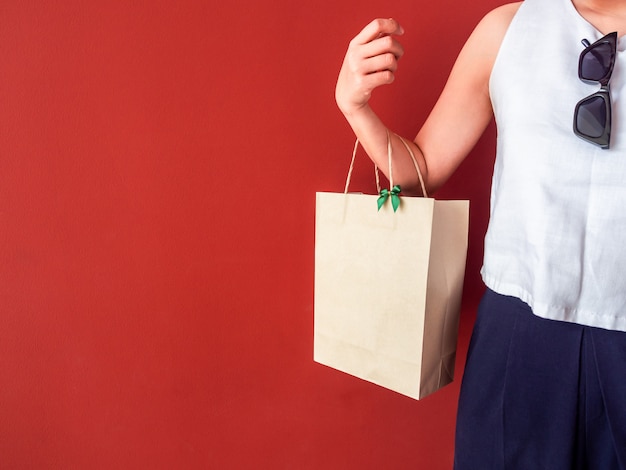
x,y
545,381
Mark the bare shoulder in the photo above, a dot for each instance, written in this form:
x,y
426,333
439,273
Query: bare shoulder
x,y
484,43
497,21
506,10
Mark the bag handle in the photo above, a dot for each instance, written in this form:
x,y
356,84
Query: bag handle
x,y
389,150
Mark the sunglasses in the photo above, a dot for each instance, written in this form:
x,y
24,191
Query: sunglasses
x,y
592,115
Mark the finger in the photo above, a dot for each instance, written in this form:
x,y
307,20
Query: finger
x,y
383,45
376,79
376,28
379,63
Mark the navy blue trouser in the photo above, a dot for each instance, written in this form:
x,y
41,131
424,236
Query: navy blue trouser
x,y
540,394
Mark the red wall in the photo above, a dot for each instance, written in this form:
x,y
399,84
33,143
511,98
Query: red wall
x,y
158,164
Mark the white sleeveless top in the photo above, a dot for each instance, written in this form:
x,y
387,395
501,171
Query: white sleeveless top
x,y
557,232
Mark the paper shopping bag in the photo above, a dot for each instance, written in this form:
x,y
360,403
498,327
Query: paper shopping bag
x,y
388,288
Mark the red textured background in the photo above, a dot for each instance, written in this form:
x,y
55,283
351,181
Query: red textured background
x,y
158,168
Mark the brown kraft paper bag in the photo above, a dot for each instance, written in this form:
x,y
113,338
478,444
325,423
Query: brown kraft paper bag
x,y
388,286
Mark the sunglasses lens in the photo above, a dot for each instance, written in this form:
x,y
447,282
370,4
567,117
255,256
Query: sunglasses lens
x,y
591,116
595,64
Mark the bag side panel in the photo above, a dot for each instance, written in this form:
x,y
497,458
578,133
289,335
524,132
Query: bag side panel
x,y
445,287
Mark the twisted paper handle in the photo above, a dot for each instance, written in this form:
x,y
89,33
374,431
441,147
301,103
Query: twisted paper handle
x,y
394,192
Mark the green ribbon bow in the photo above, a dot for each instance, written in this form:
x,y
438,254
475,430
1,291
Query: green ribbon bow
x,y
395,197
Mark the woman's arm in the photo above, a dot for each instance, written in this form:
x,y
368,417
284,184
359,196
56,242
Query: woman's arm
x,y
457,120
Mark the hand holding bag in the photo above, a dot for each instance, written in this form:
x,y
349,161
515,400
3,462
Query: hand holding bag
x,y
388,285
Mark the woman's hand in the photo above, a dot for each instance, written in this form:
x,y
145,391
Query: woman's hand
x,y
371,61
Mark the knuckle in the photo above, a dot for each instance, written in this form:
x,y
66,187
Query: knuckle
x,y
386,76
379,23
387,42
387,61
360,83
357,68
352,62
